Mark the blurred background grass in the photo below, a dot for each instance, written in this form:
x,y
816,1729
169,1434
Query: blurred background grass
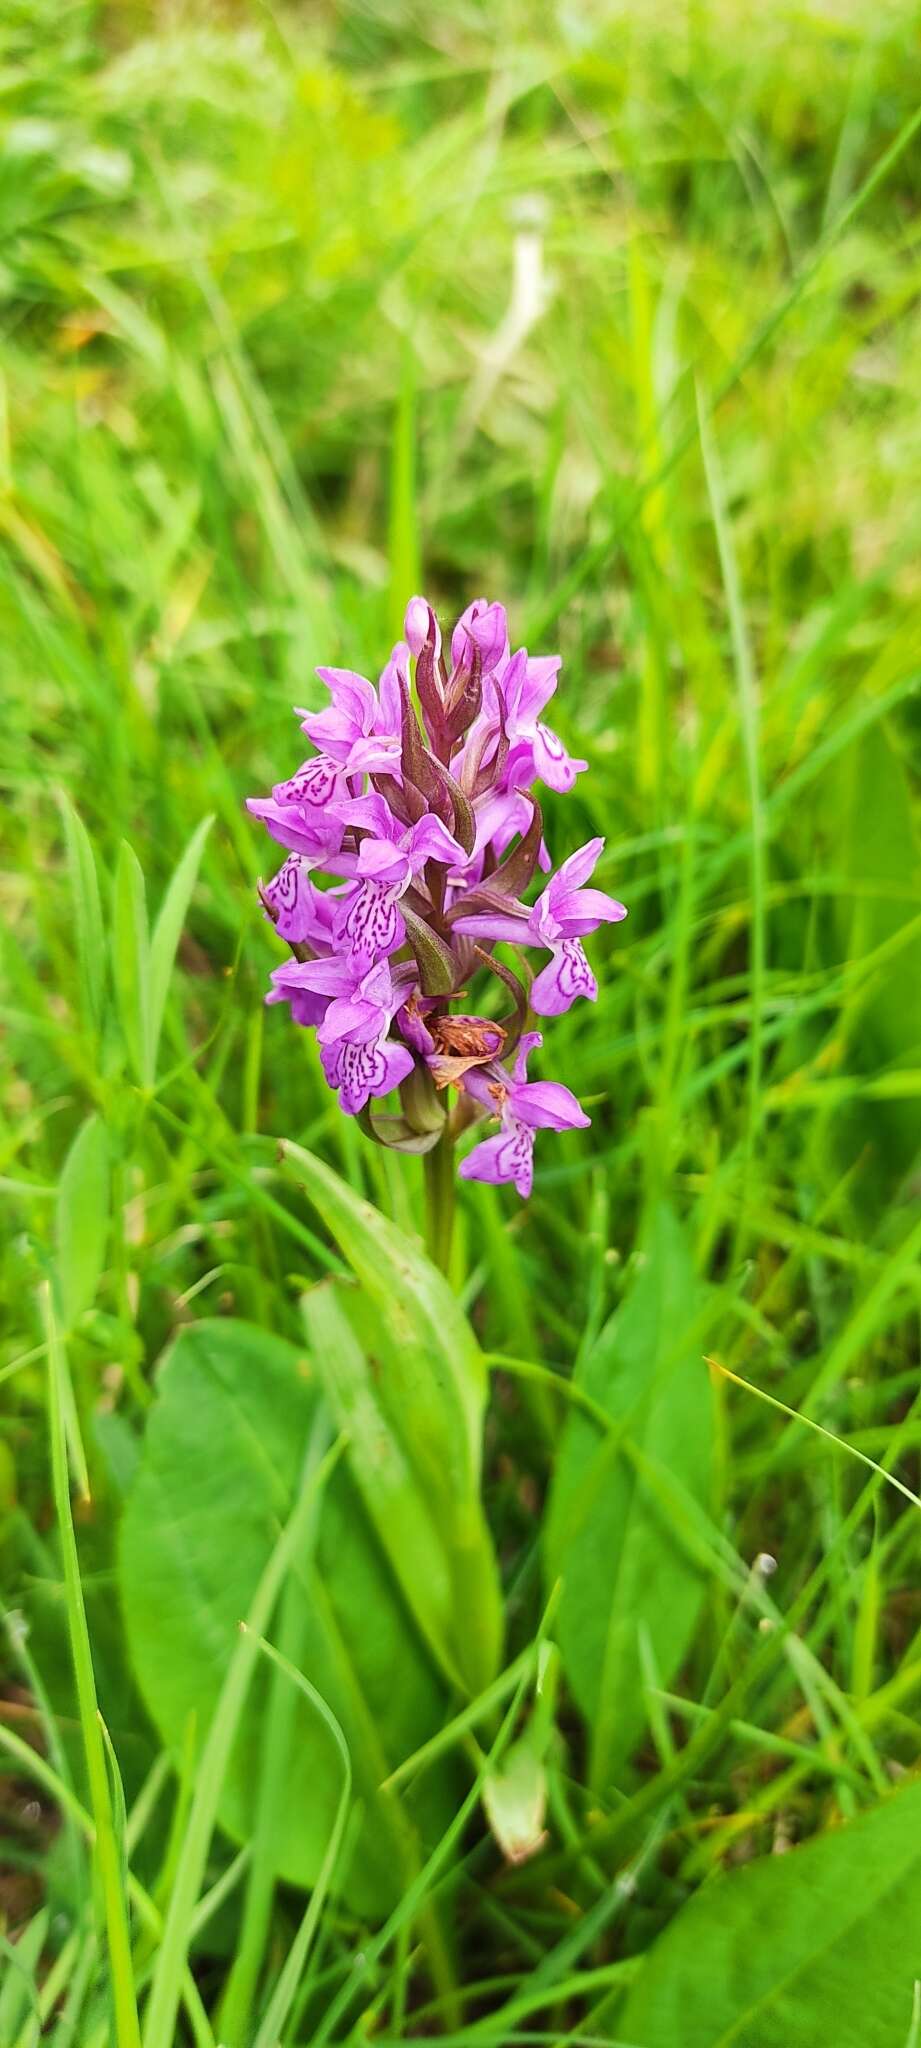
x,y
611,312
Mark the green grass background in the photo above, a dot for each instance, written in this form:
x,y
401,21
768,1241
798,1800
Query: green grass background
x,y
611,312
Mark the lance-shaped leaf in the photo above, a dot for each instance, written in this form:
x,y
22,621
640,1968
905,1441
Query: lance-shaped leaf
x,y
87,911
131,963
462,818
168,928
81,1223
431,1384
435,960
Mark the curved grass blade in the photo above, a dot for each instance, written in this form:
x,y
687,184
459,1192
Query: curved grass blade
x,y
282,1998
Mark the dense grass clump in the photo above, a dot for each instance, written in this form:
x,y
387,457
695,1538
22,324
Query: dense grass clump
x,y
610,312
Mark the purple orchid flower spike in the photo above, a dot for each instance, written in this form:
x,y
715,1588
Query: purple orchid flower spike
x,y
413,837
523,1107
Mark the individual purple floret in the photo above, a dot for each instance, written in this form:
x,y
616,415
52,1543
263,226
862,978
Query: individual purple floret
x,y
522,1107
560,919
360,730
413,837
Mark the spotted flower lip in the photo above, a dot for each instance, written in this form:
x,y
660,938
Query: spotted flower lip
x,y
413,836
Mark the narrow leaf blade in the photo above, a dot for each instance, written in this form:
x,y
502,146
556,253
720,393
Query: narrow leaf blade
x,y
82,1219
168,929
131,962
88,925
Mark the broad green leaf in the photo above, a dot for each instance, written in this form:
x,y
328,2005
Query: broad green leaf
x,y
628,1571
81,1223
429,1383
168,930
131,962
818,1945
88,926
219,1473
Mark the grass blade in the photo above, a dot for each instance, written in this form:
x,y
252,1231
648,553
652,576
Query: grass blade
x,y
82,1219
131,963
747,691
282,1998
168,929
405,565
108,1858
88,926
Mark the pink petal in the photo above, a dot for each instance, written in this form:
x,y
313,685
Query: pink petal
x,y
548,1105
514,930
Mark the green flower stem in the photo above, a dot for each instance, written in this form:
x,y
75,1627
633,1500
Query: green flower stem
x,y
439,1201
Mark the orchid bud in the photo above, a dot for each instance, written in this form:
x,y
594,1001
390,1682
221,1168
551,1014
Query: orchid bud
x,y
419,624
482,629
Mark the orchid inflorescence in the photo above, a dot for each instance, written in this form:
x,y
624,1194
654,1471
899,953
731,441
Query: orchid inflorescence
x,y
419,801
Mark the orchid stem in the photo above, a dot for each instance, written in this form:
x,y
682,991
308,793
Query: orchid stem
x,y
439,1201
